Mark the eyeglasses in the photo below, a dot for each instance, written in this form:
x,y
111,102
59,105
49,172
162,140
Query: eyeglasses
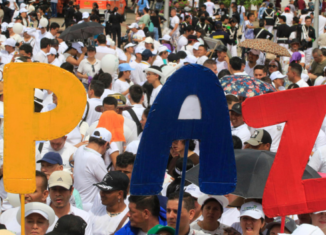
x,y
93,68
272,66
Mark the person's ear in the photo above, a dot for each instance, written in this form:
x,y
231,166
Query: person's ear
x,y
45,195
146,214
61,167
71,190
191,214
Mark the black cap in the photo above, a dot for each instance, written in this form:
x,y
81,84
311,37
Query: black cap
x,y
295,40
69,225
18,17
182,54
237,108
114,180
221,48
2,226
91,48
173,58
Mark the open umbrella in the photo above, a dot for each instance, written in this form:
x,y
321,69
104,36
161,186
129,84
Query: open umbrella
x,y
265,45
245,86
253,168
82,31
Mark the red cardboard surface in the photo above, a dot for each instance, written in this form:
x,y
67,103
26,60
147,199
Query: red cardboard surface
x,y
303,110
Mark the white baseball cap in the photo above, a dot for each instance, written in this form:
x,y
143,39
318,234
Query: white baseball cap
x,y
10,25
220,199
193,190
103,134
129,45
163,48
139,50
23,10
190,59
253,210
166,37
60,178
276,75
10,42
318,212
85,15
52,51
306,229
196,45
133,26
77,46
149,40
38,208
38,96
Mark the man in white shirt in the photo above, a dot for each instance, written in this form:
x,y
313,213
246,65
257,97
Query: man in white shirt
x,y
253,56
163,53
183,39
102,49
321,23
41,56
202,51
60,146
9,52
89,166
136,98
106,79
112,215
174,23
139,75
222,61
95,91
136,35
60,191
294,75
210,7
239,128
41,193
289,16
52,57
153,76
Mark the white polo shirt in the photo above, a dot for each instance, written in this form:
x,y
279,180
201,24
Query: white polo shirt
x,y
92,114
89,169
41,57
302,83
65,153
85,67
221,65
78,212
103,223
242,132
137,108
106,93
175,20
105,49
139,76
120,86
56,62
154,94
201,60
318,160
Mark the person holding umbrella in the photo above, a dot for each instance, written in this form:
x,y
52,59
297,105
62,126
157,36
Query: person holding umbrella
x,y
252,218
75,50
212,208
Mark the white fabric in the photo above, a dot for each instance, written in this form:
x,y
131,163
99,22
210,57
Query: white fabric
x,y
210,8
322,24
158,61
89,169
154,94
242,132
320,141
120,86
56,62
106,93
302,83
92,114
139,76
289,18
175,20
221,65
65,153
138,109
182,41
201,60
85,67
41,57
230,216
318,160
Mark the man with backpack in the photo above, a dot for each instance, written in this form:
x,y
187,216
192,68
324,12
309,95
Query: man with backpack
x,y
268,15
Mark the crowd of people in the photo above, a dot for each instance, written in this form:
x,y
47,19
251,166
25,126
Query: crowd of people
x,y
83,178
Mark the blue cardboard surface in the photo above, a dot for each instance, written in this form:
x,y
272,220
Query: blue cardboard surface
x,y
217,173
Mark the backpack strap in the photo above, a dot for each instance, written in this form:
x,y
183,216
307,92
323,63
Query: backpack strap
x,y
40,147
120,224
259,33
270,15
136,120
86,114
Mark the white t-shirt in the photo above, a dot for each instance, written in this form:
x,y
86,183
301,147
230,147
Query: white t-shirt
x,y
154,94
230,216
41,57
106,93
92,114
289,18
85,67
175,20
89,169
103,223
322,24
318,160
12,5
242,132
248,70
221,65
182,41
241,10
137,108
120,86
138,35
56,62
210,8
139,76
201,60
302,83
105,49
65,153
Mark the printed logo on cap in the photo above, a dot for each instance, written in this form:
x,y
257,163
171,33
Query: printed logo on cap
x,y
254,135
60,179
254,208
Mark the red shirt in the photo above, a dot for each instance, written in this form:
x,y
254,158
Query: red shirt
x,y
301,4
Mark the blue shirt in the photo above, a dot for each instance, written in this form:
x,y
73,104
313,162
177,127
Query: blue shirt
x,y
142,5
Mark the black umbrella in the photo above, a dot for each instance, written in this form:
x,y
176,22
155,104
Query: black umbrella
x,y
82,31
253,168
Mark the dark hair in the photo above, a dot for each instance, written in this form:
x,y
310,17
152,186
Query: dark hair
x,y
209,62
296,20
27,48
307,18
266,79
223,72
125,159
78,7
271,5
136,93
293,86
44,180
261,23
237,143
67,66
37,107
212,200
146,111
297,68
71,3
110,101
95,18
101,39
54,25
231,98
188,200
203,47
283,18
150,203
45,42
236,63
189,28
95,140
54,42
106,78
98,87
261,67
148,89
323,51
250,14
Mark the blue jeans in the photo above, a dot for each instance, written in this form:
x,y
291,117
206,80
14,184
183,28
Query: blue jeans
x,y
54,9
155,31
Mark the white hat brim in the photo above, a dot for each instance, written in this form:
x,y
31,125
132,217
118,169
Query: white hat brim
x,y
37,206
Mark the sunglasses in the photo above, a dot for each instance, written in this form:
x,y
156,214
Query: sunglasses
x,y
272,66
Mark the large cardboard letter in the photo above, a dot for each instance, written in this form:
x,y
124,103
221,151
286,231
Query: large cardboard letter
x,y
303,110
217,164
22,126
